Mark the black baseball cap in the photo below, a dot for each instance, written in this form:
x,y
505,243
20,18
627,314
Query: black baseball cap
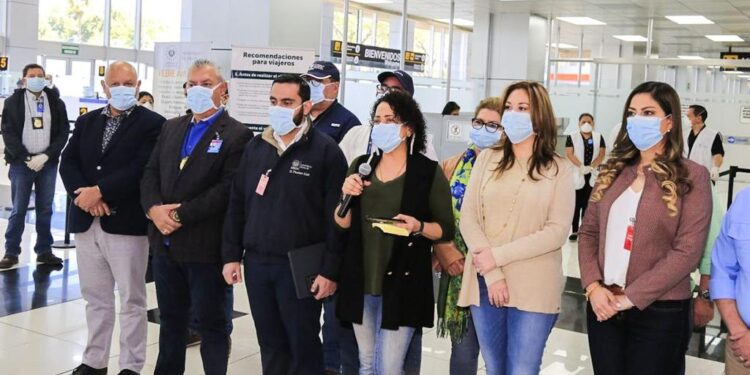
x,y
323,70
403,78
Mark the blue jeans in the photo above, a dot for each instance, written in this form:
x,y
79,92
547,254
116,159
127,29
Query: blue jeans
x,y
331,328
22,179
185,289
350,354
465,354
381,351
511,341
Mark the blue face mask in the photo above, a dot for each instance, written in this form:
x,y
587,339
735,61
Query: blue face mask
x,y
517,126
316,93
483,138
282,119
200,99
122,97
386,136
645,131
35,84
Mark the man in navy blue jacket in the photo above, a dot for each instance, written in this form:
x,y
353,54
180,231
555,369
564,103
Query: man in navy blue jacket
x,y
102,168
283,198
328,115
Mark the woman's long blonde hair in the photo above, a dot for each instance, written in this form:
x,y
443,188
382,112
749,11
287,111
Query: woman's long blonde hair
x,y
670,171
543,121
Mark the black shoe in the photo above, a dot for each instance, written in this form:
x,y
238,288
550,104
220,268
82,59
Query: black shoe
x,y
573,237
193,338
127,372
8,262
88,370
48,258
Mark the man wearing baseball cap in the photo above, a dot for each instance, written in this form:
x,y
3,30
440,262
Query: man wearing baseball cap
x,y
397,80
329,116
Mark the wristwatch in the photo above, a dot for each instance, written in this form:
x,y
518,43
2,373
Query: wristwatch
x,y
419,231
704,294
175,216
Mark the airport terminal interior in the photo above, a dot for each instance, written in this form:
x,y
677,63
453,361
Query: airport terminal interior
x,y
588,54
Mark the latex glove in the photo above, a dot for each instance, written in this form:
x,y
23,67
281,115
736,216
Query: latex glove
x,y
37,162
585,169
714,173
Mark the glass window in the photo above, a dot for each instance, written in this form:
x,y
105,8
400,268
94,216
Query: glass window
x,y
122,24
338,26
383,37
72,21
160,22
367,32
80,72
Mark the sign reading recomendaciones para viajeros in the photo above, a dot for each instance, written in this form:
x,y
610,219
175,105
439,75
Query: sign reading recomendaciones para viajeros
x,y
253,71
378,57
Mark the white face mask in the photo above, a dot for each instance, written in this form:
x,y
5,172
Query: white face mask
x,y
587,127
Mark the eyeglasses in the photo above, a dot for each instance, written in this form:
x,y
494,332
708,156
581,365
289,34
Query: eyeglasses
x,y
383,89
491,126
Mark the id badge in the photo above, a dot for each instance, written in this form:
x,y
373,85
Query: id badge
x,y
37,123
628,238
262,183
215,146
40,106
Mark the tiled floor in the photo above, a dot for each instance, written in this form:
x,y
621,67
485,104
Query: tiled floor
x,y
38,340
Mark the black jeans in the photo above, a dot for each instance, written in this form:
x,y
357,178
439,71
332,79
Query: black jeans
x,y
182,288
287,327
582,201
634,342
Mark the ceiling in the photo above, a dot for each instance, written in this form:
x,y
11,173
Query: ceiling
x,y
620,16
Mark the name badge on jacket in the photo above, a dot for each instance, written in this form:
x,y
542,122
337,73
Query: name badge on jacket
x,y
215,146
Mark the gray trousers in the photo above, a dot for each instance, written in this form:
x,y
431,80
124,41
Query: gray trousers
x,y
103,260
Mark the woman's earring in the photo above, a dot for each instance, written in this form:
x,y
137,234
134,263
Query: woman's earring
x,y
411,147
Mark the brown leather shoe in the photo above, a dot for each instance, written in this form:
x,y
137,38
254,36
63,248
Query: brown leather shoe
x,y
8,262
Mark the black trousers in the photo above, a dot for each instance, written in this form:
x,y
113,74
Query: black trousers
x,y
582,201
182,288
287,327
634,342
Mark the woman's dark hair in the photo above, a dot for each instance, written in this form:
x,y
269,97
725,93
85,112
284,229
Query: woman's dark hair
x,y
406,110
670,171
450,107
543,121
585,115
144,93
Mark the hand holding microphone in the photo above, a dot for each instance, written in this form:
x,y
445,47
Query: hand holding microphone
x,y
354,185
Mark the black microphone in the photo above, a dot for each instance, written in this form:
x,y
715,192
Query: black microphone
x,y
364,173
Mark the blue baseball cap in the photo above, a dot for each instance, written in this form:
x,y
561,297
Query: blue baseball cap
x,y
323,70
403,78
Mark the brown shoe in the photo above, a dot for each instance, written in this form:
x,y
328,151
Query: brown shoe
x,y
8,262
48,258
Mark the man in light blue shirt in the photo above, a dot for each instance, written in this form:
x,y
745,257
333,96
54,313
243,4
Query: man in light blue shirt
x,y
730,282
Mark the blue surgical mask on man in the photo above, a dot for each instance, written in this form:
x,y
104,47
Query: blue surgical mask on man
x,y
645,131
282,119
517,125
35,84
122,97
386,137
483,138
316,92
200,99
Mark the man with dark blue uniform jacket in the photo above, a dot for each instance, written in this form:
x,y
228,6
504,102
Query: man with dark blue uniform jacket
x,y
328,115
283,198
185,190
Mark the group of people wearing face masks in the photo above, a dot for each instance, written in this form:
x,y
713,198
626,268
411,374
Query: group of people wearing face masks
x,y
207,197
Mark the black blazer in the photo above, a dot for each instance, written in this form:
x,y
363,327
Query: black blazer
x,y
117,171
14,117
202,187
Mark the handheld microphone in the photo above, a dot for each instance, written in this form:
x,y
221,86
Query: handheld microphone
x,y
364,173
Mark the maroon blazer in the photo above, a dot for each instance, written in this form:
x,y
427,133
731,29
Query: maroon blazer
x,y
665,249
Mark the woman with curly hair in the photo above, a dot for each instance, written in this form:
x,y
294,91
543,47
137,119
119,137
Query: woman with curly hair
x,y
643,234
515,217
386,284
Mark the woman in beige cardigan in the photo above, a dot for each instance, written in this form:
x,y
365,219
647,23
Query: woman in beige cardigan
x,y
515,218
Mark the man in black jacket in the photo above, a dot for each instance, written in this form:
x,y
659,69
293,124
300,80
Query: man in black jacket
x,y
283,197
185,191
35,129
102,168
